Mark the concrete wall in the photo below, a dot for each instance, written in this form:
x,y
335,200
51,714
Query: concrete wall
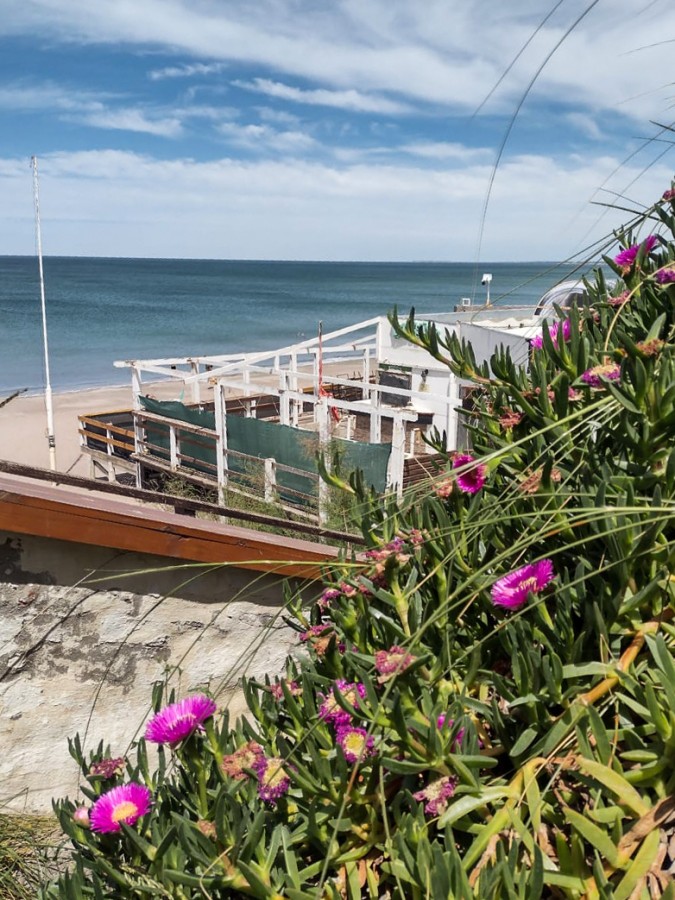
x,y
82,641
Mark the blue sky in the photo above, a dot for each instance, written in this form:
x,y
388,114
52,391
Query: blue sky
x,y
329,129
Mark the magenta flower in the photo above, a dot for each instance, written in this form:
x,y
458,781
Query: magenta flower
x,y
594,376
441,721
669,194
392,662
435,796
273,780
331,711
178,721
537,341
125,803
513,589
355,743
245,757
108,768
666,276
627,257
472,480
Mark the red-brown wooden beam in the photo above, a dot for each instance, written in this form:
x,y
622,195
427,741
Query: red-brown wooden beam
x,y
44,510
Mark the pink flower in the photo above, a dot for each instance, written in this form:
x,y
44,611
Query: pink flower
x,y
328,596
440,722
355,743
108,768
620,299
245,757
81,816
669,194
666,276
537,341
277,690
126,803
594,376
627,257
472,480
444,488
513,589
331,711
435,796
273,780
178,721
392,662
319,637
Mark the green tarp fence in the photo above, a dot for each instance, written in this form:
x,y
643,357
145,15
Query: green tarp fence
x,y
259,438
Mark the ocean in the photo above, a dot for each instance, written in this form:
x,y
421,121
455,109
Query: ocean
x,y
102,310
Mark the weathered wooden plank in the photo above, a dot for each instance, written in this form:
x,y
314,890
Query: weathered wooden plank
x,y
57,512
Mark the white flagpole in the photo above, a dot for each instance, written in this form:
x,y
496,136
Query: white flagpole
x,y
48,385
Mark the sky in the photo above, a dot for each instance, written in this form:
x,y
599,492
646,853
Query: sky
x,y
332,129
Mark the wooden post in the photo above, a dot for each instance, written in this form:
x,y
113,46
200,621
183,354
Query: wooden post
x,y
194,368
137,389
375,419
109,451
270,479
173,447
397,458
366,374
284,400
248,410
221,440
295,405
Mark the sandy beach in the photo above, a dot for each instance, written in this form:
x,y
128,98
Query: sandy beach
x,y
23,423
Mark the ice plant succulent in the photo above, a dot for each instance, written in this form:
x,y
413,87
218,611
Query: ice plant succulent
x,y
595,376
244,758
355,743
108,768
331,711
471,480
627,257
512,590
554,331
435,796
666,276
178,721
392,662
277,690
125,803
273,780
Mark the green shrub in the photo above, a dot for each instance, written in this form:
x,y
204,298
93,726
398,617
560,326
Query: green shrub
x,y
486,702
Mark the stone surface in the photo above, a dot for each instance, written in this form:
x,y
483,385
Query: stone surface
x,y
76,658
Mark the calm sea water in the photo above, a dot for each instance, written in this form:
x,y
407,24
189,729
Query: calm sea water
x,y
101,310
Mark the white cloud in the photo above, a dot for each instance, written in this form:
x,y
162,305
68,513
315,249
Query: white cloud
x,y
186,70
133,120
352,100
117,203
265,139
443,150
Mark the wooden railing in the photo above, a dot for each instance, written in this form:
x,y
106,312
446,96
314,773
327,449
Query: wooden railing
x,y
258,480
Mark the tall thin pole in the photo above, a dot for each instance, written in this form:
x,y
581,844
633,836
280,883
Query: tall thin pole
x,y
48,386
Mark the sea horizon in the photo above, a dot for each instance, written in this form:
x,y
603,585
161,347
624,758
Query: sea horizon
x,y
103,309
